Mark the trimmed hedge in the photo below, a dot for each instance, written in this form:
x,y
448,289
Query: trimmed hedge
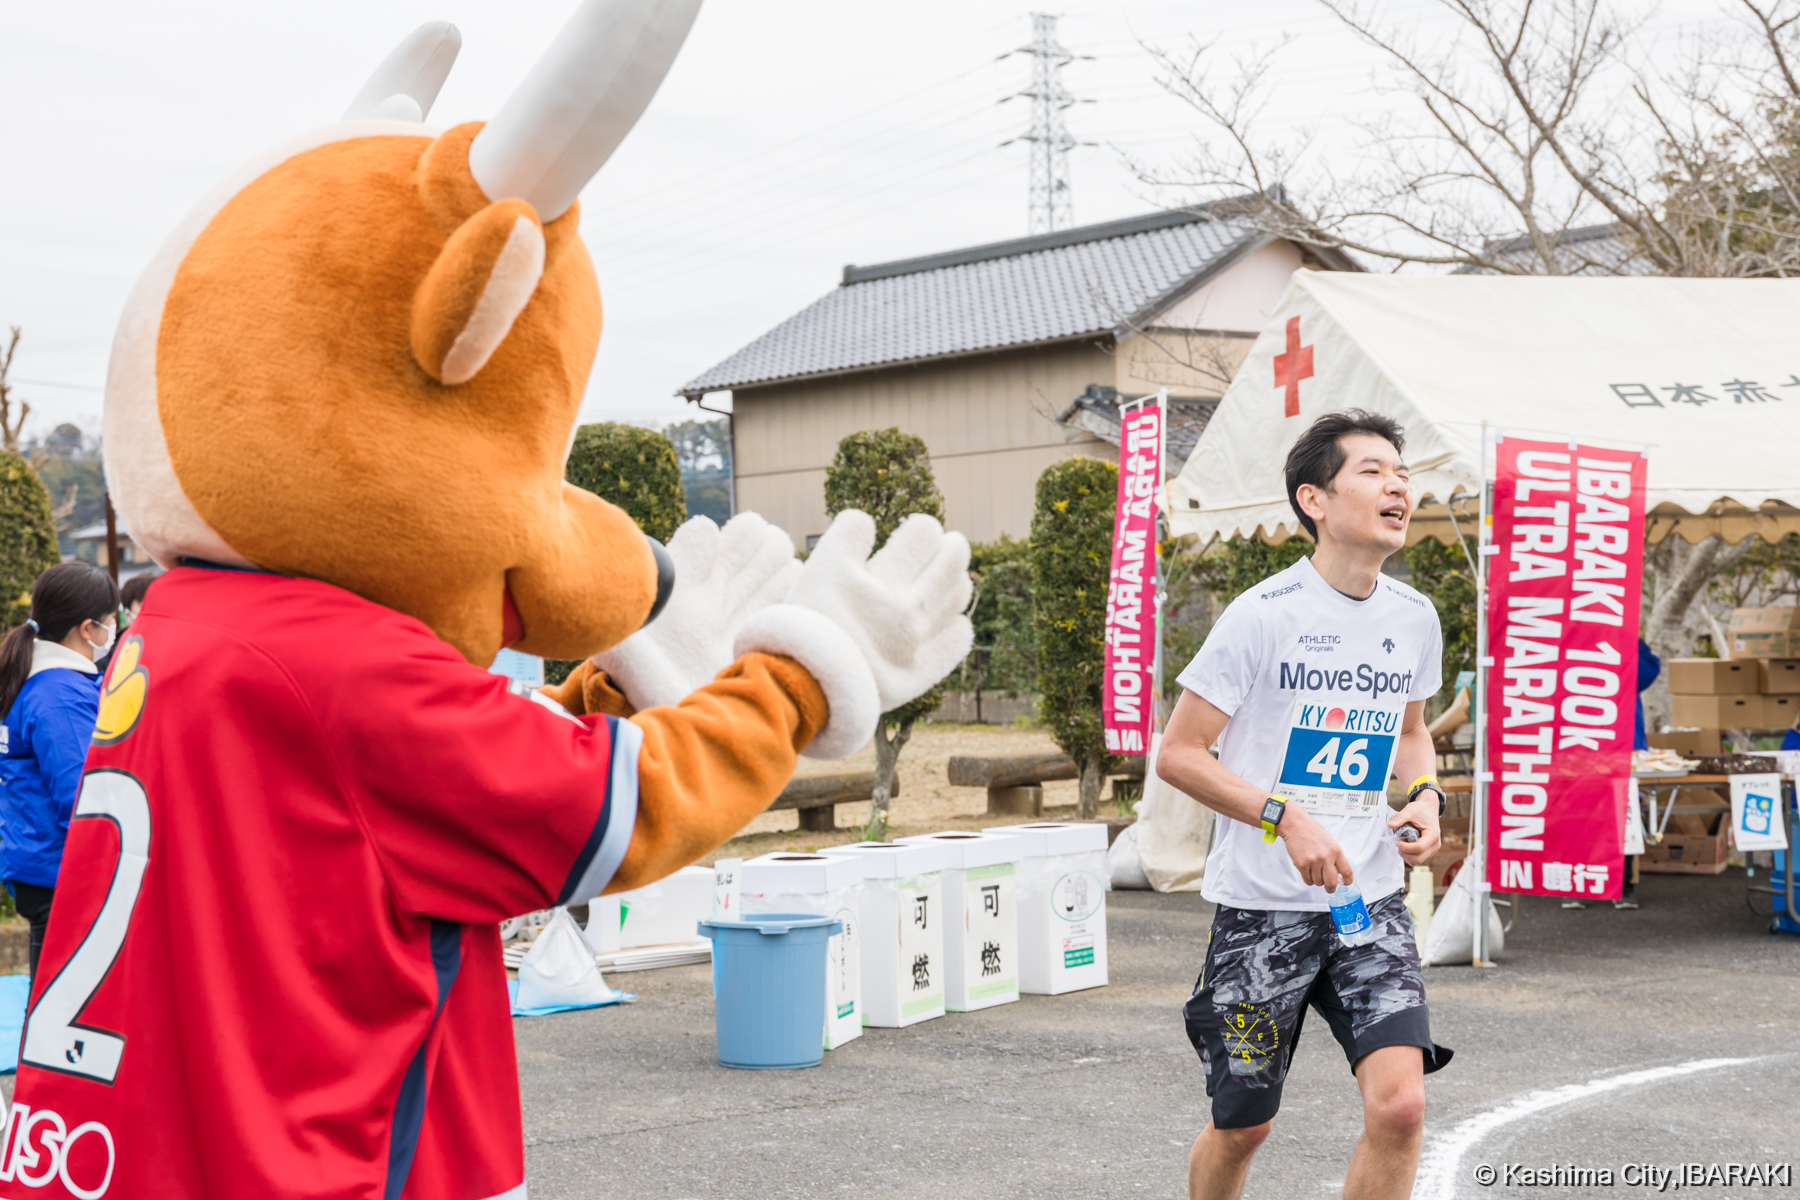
x,y
887,474
1071,557
635,469
27,536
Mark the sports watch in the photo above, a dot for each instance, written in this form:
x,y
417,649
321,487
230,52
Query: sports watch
x,y
1274,808
1422,783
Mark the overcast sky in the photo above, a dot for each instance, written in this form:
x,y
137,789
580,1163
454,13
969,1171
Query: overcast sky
x,y
792,137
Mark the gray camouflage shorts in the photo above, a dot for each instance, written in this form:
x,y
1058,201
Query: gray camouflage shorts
x,y
1262,971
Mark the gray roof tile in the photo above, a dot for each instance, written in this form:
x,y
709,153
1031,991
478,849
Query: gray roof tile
x,y
1089,281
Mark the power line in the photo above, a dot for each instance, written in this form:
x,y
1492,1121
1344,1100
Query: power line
x,y
73,387
965,184
747,223
782,177
659,268
762,152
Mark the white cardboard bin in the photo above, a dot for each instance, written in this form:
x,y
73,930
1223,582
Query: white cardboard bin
x,y
902,930
832,887
1062,905
605,915
981,917
669,910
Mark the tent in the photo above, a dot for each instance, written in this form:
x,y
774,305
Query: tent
x,y
1702,373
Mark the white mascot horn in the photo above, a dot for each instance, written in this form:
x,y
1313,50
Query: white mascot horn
x,y
406,84
579,101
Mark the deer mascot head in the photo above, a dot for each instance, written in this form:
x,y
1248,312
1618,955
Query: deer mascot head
x,y
360,358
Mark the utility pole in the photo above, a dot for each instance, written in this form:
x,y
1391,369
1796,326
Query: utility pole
x,y
1052,204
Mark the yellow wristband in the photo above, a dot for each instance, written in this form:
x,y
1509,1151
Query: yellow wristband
x,y
1431,779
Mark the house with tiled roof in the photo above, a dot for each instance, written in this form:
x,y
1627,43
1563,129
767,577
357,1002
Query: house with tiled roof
x,y
1004,358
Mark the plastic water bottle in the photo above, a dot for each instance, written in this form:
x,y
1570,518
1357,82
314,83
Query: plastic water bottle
x,y
1420,902
1351,915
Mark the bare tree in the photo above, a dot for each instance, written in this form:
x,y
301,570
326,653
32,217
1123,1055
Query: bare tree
x,y
1531,125
10,425
1677,576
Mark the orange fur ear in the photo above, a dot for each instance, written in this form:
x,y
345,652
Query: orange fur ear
x,y
482,280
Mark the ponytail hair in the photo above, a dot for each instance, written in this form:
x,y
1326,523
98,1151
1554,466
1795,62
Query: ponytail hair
x,y
62,598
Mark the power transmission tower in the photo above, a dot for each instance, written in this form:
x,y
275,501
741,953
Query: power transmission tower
x,y
1052,203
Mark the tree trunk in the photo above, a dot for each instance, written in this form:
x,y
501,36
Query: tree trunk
x,y
887,773
1089,803
1679,574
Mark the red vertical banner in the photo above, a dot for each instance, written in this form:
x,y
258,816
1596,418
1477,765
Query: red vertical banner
x,y
1564,585
1127,693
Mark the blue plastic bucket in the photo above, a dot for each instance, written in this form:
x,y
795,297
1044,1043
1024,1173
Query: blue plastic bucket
x,y
769,988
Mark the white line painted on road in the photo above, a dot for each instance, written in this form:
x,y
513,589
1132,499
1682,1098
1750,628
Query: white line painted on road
x,y
1440,1167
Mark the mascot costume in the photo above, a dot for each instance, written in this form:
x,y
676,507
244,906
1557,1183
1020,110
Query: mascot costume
x,y
337,410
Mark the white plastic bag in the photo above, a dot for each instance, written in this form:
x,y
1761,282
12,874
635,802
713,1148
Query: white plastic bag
x,y
559,970
1122,861
1174,832
1634,820
1451,937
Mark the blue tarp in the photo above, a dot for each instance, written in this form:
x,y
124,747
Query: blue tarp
x,y
14,991
512,993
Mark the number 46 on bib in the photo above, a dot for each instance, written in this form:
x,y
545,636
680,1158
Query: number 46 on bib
x,y
1339,755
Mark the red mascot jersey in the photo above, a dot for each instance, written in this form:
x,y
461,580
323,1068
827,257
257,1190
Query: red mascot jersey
x,y
273,966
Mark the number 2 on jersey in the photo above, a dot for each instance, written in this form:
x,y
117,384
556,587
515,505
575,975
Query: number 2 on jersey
x,y
52,1039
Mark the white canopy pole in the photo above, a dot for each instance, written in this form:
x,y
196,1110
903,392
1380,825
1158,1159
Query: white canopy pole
x,y
1161,573
1478,795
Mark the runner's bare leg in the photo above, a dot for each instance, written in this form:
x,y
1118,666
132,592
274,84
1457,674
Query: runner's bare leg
x,y
1392,1080
1220,1159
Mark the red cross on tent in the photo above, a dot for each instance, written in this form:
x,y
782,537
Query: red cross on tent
x,y
1292,367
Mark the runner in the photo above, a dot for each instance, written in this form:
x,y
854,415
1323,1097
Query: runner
x,y
1313,684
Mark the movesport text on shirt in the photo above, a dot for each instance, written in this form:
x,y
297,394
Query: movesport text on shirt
x,y
1315,683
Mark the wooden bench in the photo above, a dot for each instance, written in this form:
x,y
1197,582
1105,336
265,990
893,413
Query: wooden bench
x,y
1014,782
815,795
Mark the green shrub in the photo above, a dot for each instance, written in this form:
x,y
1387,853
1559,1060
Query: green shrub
x,y
1232,568
1005,653
887,474
1071,557
634,468
27,536
1441,573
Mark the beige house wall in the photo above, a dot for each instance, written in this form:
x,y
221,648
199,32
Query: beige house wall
x,y
1243,298
988,420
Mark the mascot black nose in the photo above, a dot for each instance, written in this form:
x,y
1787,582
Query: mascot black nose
x,y
665,578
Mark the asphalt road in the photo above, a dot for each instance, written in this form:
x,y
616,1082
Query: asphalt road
x,y
1098,1094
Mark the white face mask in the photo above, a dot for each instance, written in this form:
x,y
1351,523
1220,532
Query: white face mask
x,y
112,632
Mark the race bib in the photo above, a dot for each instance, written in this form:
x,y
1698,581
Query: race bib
x,y
1339,756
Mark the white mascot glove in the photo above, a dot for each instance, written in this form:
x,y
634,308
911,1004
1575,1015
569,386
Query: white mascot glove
x,y
721,577
875,632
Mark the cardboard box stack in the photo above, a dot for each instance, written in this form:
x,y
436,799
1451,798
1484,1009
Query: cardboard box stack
x,y
1758,687
1695,843
1764,632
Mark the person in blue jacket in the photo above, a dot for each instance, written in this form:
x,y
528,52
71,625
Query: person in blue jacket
x,y
1649,667
50,694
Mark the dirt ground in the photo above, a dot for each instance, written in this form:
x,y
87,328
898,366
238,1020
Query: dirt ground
x,y
927,802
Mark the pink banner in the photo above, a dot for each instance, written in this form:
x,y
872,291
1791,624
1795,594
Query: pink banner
x,y
1127,691
1564,587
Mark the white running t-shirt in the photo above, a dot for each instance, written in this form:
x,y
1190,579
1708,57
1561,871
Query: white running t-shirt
x,y
1315,684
